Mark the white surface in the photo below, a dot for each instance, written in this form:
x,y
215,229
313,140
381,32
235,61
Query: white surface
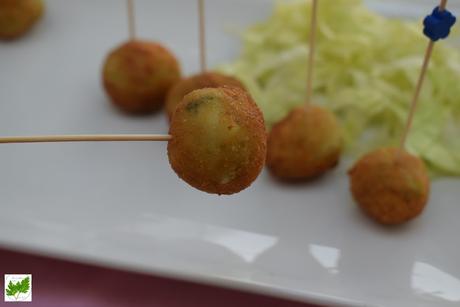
x,y
121,205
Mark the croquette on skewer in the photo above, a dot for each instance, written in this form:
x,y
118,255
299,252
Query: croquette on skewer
x,y
308,142
205,79
217,140
138,74
391,185
219,143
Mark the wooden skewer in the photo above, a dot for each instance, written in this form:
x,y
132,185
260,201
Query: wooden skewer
x,y
443,5
131,19
418,89
416,97
202,34
312,51
86,138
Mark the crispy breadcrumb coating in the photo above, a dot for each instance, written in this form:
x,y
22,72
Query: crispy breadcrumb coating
x,y
390,185
219,140
138,75
305,144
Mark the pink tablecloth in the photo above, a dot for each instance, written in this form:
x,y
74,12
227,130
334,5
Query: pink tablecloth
x,y
66,284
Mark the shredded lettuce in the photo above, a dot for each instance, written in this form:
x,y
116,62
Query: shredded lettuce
x,y
366,71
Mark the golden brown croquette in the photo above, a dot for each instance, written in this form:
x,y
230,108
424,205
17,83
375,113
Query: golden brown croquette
x,y
219,140
390,185
187,85
305,144
138,75
18,16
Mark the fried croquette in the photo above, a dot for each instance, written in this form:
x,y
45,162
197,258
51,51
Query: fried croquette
x,y
305,144
138,75
187,85
390,185
219,140
18,16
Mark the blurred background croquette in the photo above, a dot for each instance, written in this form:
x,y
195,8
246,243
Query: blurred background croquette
x,y
18,16
390,185
307,143
138,75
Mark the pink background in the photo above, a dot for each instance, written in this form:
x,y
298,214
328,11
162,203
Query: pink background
x,y
66,284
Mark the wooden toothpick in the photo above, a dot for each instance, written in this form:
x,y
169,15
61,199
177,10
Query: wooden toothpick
x,y
418,89
131,19
202,34
312,50
443,5
86,138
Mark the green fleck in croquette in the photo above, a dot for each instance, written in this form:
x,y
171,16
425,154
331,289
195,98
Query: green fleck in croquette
x,y
187,85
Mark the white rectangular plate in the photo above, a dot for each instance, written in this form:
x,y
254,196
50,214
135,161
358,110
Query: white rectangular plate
x,y
121,205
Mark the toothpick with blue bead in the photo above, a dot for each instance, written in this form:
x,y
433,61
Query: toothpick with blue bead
x,y
437,26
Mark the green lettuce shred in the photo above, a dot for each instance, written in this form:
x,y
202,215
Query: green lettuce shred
x,y
366,70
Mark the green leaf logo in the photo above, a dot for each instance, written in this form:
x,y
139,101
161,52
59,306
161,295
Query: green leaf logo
x,y
15,289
